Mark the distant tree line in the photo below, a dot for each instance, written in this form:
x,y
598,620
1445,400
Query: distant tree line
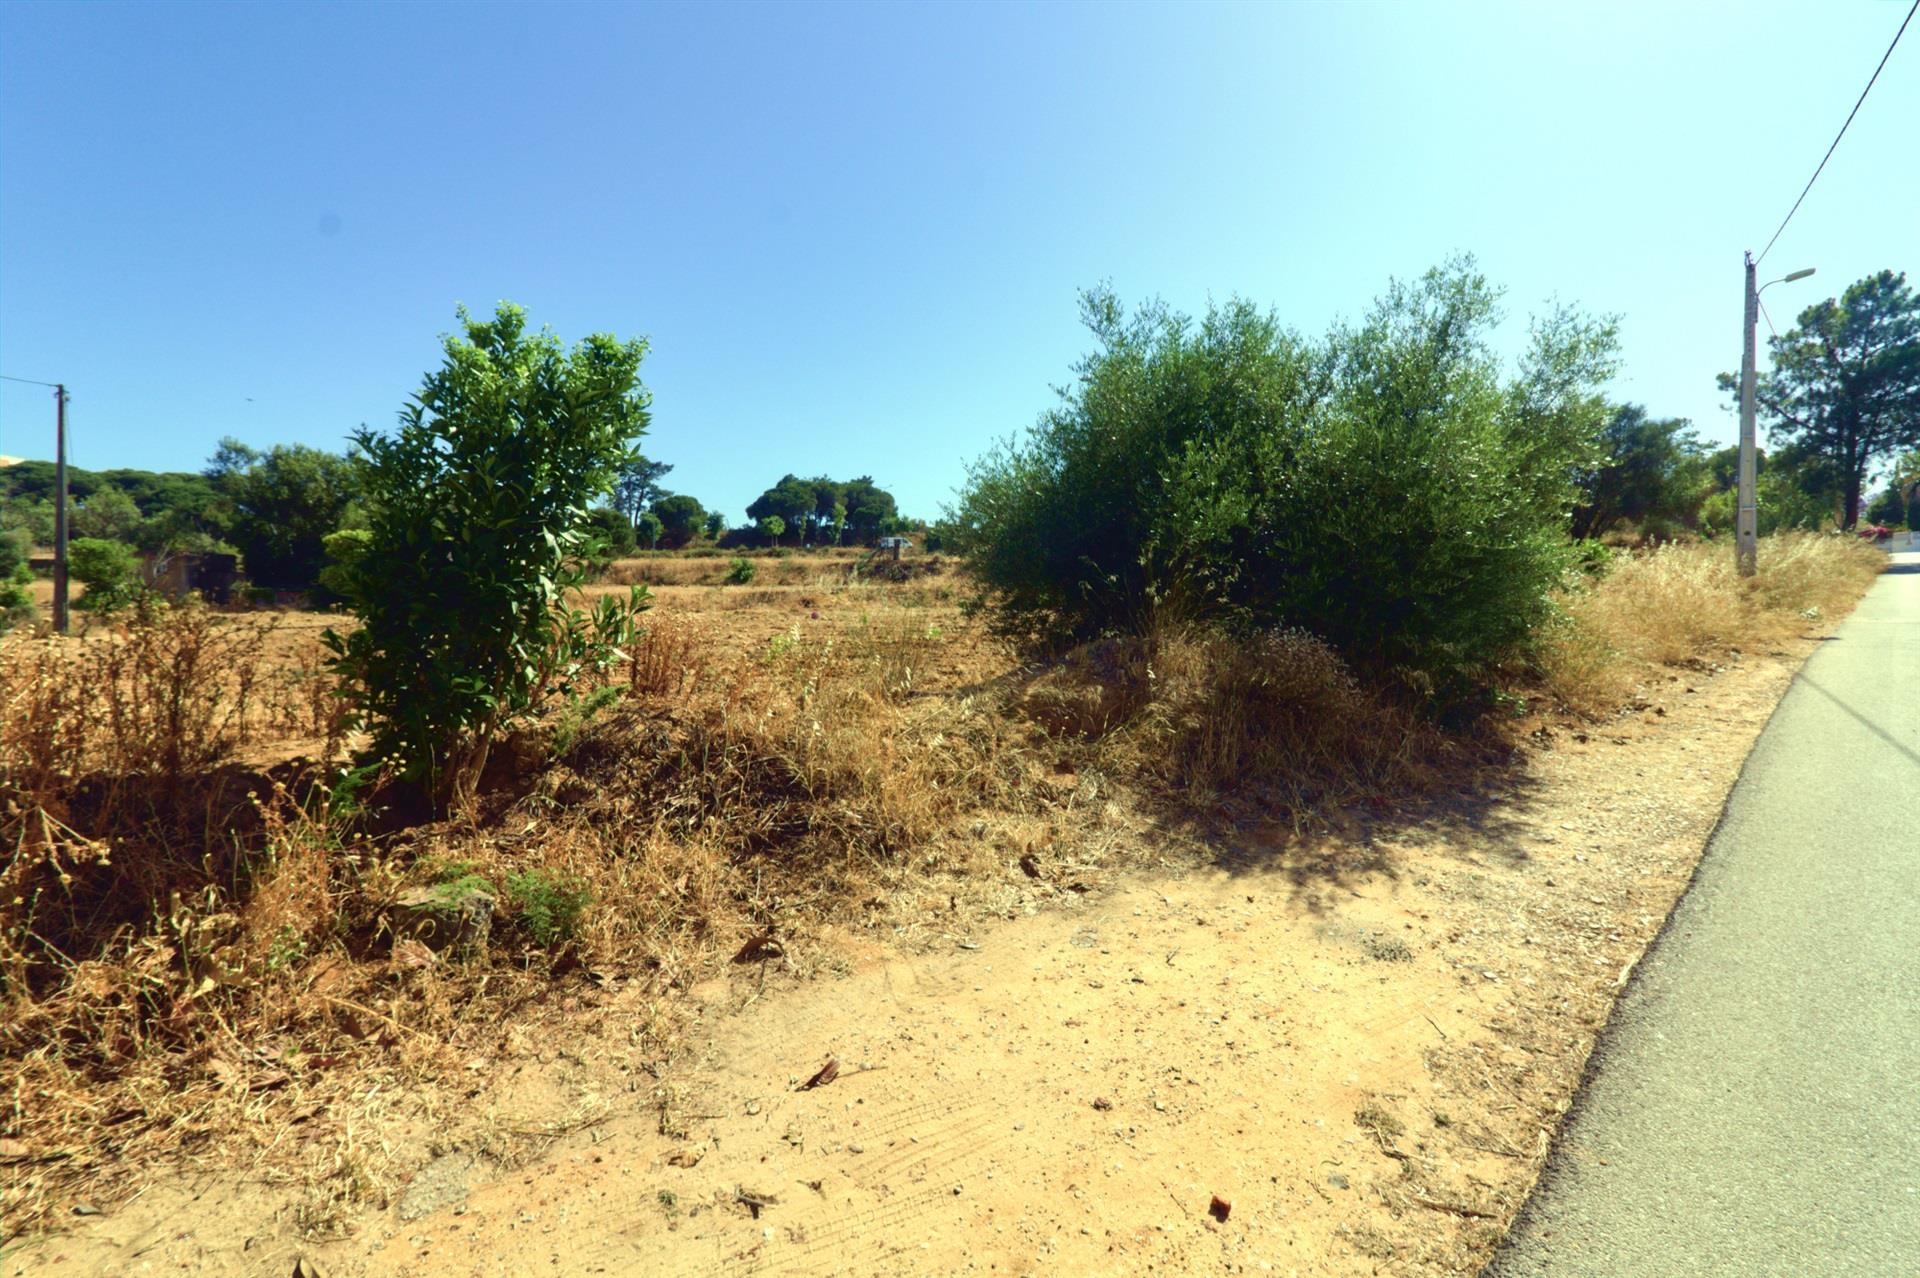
x,y
826,512
296,517
821,511
273,508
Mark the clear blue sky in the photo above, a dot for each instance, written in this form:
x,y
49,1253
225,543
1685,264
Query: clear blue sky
x,y
854,233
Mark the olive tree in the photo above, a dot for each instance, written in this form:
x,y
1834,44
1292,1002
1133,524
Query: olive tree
x,y
480,506
1392,488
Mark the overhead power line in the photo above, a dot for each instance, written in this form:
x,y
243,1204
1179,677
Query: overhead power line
x,y
29,381
1843,129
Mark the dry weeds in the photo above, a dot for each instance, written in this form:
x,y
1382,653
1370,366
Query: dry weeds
x,y
198,958
1685,602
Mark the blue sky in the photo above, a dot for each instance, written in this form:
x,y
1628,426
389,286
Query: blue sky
x,y
854,233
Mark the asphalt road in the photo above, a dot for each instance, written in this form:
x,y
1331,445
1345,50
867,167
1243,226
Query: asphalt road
x,y
1754,1106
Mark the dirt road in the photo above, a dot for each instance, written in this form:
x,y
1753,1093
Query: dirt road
x,y
1752,1109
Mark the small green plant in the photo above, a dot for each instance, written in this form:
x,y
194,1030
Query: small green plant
x,y
455,881
740,572
287,950
579,712
548,905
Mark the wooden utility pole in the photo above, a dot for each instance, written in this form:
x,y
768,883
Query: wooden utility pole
x,y
60,508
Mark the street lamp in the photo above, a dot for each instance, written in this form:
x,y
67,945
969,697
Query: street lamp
x,y
1746,523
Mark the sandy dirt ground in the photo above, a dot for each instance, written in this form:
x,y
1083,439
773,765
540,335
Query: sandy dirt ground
x,y
1360,1046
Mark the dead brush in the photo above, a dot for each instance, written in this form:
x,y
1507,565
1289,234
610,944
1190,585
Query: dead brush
x,y
122,741
818,749
186,1026
167,691
299,694
1274,716
663,570
668,657
148,904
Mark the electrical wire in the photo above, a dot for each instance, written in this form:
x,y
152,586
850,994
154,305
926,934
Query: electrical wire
x,y
1768,318
1842,133
29,381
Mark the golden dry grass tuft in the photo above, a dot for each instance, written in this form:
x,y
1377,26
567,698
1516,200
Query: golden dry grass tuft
x,y
1685,602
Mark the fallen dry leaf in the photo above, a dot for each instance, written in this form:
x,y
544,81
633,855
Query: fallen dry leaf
x,y
410,955
828,1072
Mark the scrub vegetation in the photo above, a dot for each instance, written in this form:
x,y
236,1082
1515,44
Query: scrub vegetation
x,y
1237,579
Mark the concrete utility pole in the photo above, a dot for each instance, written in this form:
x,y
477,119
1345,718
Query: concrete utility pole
x,y
60,508
1746,519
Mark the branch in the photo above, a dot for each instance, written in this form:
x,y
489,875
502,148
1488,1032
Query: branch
x,y
1778,411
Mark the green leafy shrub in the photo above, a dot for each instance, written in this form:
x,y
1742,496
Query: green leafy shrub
x,y
480,533
549,905
1385,489
344,550
280,505
740,572
16,581
613,535
1592,557
109,571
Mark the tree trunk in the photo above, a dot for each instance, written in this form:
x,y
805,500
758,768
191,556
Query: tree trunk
x,y
461,783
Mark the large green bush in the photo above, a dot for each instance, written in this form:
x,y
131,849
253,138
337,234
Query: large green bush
x,y
279,507
613,535
1389,488
480,528
344,549
109,571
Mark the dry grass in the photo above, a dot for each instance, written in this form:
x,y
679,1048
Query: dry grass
x,y
1685,602
197,948
710,568
1276,720
199,957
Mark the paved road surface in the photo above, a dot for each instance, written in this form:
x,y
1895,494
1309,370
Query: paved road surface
x,y
1754,1108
